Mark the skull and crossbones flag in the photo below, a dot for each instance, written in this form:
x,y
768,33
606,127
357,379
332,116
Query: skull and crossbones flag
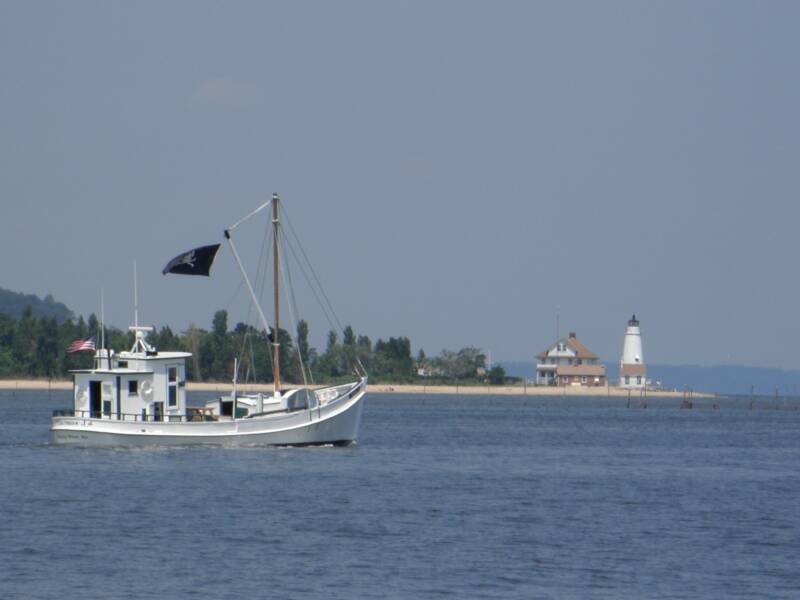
x,y
193,262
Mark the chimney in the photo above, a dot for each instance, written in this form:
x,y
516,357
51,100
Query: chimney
x,y
572,335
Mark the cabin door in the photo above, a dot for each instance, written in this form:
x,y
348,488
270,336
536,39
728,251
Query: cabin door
x,y
95,399
158,411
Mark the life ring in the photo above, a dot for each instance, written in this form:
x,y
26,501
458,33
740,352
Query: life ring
x,y
146,389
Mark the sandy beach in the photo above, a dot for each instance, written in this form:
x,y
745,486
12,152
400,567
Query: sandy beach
x,y
387,388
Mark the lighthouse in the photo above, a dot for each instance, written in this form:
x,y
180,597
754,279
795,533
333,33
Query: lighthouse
x,y
632,370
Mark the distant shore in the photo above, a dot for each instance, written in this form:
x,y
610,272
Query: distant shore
x,y
391,388
518,390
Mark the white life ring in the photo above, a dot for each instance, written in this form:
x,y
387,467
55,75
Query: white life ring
x,y
146,389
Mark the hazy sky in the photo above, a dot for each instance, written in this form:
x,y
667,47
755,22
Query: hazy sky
x,y
457,170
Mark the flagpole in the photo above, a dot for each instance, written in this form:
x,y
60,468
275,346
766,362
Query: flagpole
x,y
103,326
102,319
135,298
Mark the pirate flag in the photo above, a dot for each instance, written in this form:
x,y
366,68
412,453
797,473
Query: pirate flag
x,y
193,262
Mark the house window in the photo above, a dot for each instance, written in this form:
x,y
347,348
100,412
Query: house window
x,y
570,361
639,379
583,379
133,387
173,395
627,379
173,374
579,362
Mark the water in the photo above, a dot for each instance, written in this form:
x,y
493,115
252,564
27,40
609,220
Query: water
x,y
472,497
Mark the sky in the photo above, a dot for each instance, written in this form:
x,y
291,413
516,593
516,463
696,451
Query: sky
x,y
459,172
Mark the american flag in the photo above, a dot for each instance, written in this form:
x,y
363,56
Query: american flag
x,y
81,345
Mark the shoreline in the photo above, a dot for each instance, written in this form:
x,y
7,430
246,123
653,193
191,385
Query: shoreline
x,y
389,388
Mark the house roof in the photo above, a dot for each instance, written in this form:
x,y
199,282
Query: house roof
x,y
582,370
580,350
632,370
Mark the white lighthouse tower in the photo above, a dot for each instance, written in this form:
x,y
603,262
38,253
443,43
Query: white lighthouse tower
x,y
632,370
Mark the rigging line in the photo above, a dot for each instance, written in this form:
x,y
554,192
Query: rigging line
x,y
261,268
247,338
313,272
267,237
264,255
257,299
253,360
292,314
293,307
234,296
357,362
243,219
312,287
261,277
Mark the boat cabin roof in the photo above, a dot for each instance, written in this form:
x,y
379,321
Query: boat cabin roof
x,y
154,356
114,371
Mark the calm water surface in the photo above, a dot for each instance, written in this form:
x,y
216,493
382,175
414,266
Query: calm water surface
x,y
471,497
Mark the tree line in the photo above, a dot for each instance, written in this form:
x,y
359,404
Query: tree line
x,y
34,346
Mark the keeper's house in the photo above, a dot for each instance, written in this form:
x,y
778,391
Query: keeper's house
x,y
569,363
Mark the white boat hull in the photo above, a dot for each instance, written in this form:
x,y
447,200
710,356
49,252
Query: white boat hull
x,y
335,422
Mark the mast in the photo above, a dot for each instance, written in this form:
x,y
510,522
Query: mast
x,y
246,279
276,347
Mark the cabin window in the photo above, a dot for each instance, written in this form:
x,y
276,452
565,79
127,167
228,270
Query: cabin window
x,y
133,386
122,364
172,386
106,408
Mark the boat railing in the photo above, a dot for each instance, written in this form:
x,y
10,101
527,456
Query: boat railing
x,y
329,394
193,416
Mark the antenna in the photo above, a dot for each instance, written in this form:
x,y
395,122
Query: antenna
x,y
102,319
103,327
135,298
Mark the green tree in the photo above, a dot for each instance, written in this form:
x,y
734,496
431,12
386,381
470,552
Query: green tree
x,y
8,365
364,351
497,375
331,363
47,347
24,350
302,340
216,352
393,358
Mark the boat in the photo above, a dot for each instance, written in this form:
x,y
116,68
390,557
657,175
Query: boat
x,y
138,397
